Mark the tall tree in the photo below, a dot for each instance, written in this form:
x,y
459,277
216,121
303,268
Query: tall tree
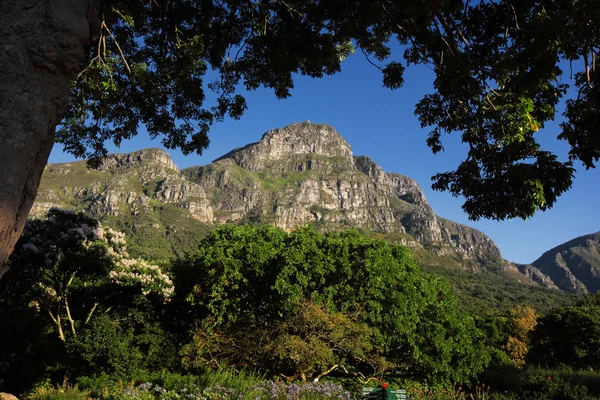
x,y
568,337
144,63
247,284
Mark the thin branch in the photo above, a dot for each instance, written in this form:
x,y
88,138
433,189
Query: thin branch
x,y
101,50
240,50
587,71
287,378
571,68
514,12
366,380
266,24
487,96
58,324
87,319
491,89
291,10
118,47
462,36
120,14
439,31
71,278
322,374
369,60
71,321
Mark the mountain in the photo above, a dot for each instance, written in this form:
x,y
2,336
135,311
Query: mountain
x,y
306,173
301,174
573,266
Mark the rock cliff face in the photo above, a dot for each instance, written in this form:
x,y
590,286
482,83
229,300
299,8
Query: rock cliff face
x,y
574,266
306,174
537,276
300,174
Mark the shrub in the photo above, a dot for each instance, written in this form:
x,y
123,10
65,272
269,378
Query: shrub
x,y
548,387
103,347
569,337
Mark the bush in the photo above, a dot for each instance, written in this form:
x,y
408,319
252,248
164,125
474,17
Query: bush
x,y
569,337
103,348
547,387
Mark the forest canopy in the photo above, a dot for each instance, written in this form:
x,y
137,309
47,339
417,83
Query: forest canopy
x,y
498,78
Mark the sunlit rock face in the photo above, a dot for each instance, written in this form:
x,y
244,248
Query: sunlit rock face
x,y
300,174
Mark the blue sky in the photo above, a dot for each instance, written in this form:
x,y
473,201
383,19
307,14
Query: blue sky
x,y
381,124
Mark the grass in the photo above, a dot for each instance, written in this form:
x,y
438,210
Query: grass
x,y
59,393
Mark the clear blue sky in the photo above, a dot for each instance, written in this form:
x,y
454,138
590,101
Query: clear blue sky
x,y
380,123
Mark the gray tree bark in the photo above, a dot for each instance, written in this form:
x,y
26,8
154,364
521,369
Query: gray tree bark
x,y
41,47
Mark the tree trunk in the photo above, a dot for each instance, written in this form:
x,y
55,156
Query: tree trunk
x,y
41,45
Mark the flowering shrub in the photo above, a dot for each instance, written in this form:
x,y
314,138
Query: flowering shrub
x,y
279,391
267,390
70,255
130,272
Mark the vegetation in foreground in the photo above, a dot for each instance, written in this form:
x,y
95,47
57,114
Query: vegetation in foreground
x,y
228,384
86,320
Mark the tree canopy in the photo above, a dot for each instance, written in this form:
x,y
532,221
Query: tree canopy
x,y
176,67
569,336
271,298
77,303
69,267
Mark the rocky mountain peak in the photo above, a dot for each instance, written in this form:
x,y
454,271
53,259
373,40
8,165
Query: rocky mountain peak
x,y
304,140
402,187
574,266
300,174
149,157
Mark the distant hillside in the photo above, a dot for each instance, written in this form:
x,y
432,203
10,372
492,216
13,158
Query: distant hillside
x,y
573,266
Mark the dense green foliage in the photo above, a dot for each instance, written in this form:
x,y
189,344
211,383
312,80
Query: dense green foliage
x,y
497,68
299,306
102,347
488,294
540,387
570,336
247,278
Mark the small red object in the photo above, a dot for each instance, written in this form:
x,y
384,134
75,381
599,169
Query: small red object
x,y
384,385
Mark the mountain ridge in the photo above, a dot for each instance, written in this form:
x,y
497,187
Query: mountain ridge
x,y
574,265
300,174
